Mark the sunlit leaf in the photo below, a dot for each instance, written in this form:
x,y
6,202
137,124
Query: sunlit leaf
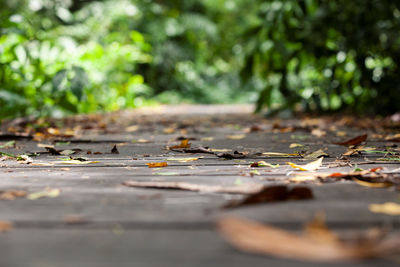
x,y
263,164
312,166
389,208
157,164
48,192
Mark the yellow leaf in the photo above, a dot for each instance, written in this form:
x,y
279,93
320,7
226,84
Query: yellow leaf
x,y
48,192
182,159
372,184
389,208
132,128
312,166
184,144
278,154
236,137
157,164
294,145
169,130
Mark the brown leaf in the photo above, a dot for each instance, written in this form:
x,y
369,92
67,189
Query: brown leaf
x,y
235,155
52,151
355,141
204,150
114,150
237,189
157,164
12,194
75,219
253,237
5,226
184,144
273,194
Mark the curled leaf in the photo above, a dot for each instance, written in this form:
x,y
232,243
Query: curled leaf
x,y
320,245
355,141
184,144
157,164
48,192
274,194
372,184
312,166
263,164
236,189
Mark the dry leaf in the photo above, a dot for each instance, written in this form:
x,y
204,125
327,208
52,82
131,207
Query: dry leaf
x,y
220,150
74,219
236,136
184,144
12,194
157,164
278,154
303,178
114,150
316,154
132,128
312,166
196,150
355,141
253,237
273,194
341,133
318,132
237,189
48,192
389,208
234,155
182,159
5,226
263,164
169,130
75,161
372,184
294,145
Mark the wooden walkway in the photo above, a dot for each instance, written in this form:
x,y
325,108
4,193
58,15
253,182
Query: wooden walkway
x,y
87,217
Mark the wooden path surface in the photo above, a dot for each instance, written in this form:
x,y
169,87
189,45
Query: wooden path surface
x,y
94,220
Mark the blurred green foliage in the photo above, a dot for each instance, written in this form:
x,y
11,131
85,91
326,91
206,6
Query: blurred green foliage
x,y
324,55
79,56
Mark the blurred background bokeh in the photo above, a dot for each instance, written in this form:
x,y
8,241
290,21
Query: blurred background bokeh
x,y
60,57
